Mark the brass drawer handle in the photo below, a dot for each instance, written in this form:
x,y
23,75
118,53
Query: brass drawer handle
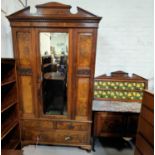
x,y
67,138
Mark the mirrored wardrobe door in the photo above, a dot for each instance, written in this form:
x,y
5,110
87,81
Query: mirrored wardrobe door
x,y
54,52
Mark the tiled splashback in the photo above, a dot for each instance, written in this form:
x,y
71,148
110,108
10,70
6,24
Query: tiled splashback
x,y
118,90
120,87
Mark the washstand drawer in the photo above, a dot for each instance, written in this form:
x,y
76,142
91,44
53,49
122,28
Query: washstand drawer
x,y
72,138
37,124
74,126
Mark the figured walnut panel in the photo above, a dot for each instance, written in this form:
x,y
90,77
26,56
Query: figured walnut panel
x,y
84,50
83,86
24,47
38,124
26,94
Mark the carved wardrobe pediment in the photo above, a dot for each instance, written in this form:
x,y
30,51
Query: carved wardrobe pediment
x,y
54,12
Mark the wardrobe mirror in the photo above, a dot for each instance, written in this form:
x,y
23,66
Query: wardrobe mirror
x,y
54,62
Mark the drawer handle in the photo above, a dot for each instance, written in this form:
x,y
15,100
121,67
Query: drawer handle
x,y
67,138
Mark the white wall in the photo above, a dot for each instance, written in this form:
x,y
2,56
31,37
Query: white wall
x,y
125,36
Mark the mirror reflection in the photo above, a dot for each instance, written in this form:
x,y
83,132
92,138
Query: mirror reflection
x,y
54,58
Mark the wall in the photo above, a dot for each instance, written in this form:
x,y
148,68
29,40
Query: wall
x,y
125,36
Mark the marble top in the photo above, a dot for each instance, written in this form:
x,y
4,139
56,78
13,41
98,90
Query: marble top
x,y
116,106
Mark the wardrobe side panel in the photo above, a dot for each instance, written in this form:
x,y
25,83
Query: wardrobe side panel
x,y
85,56
24,55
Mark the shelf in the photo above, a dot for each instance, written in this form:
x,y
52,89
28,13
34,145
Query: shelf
x,y
8,97
8,129
7,106
13,143
8,93
10,132
6,82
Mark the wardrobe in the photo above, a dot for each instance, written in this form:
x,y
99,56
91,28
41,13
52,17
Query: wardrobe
x,y
55,55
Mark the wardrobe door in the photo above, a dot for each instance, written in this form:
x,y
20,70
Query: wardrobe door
x,y
25,58
85,60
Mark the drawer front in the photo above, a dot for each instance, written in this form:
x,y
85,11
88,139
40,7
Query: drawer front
x,y
109,124
147,115
146,130
37,124
72,126
37,136
72,138
55,137
143,146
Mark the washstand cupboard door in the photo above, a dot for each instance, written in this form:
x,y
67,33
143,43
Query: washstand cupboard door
x,y
25,59
85,44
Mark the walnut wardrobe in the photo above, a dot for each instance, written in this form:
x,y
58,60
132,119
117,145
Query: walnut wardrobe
x,y
55,55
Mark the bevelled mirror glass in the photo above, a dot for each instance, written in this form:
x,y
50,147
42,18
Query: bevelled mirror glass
x,y
54,62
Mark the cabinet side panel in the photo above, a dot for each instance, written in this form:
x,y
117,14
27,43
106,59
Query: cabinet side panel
x,y
85,55
84,50
24,47
26,94
82,97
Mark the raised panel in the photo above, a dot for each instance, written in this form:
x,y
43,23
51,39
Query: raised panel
x,y
26,94
38,124
109,124
84,50
82,96
24,47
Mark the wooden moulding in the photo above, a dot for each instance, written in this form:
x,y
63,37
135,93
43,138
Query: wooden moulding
x,y
56,14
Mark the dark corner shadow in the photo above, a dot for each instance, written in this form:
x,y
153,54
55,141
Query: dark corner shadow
x,y
117,143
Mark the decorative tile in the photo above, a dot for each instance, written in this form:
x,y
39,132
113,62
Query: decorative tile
x,y
118,90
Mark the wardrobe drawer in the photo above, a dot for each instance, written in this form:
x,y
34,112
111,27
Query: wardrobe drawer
x,y
37,124
37,136
55,137
74,126
72,138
